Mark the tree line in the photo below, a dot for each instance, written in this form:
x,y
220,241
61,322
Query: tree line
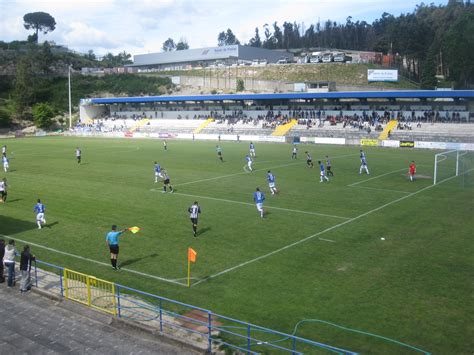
x,y
430,40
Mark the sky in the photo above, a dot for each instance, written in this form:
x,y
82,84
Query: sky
x,y
142,26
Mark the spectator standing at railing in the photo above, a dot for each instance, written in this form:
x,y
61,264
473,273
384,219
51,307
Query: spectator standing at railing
x,y
25,268
9,261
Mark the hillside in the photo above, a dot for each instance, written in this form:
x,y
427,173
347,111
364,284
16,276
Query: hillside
x,y
15,106
346,75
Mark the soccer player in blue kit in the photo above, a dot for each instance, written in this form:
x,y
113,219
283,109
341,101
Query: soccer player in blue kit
x,y
271,182
258,198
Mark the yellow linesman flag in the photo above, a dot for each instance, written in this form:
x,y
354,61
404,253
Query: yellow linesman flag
x,y
192,255
134,230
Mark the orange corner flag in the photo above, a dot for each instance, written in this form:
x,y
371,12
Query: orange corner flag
x,y
192,255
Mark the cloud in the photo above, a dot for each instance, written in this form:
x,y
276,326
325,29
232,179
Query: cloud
x,y
142,26
78,34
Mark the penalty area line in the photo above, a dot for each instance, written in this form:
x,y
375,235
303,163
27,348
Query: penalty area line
x,y
96,262
288,246
375,177
377,189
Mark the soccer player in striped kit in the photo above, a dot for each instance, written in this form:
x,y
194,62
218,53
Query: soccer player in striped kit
x,y
194,212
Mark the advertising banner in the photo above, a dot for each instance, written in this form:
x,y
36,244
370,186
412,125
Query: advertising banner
x,y
382,75
369,142
391,143
323,140
407,144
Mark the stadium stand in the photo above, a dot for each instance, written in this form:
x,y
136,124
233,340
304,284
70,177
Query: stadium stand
x,y
424,115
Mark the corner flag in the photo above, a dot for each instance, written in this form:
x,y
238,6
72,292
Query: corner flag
x,y
192,255
191,259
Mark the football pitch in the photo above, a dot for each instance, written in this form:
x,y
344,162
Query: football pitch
x,y
375,253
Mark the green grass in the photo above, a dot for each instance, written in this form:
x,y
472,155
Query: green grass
x,y
415,287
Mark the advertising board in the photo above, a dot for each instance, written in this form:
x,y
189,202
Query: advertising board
x,y
369,142
382,75
407,144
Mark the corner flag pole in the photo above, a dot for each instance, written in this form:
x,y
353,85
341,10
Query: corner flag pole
x,y
191,259
189,273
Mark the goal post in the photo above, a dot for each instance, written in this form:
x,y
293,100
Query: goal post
x,y
451,163
446,165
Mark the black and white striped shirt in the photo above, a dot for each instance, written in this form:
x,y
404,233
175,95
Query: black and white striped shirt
x,y
194,211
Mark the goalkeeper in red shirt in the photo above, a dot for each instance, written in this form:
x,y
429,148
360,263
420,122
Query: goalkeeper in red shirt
x,y
412,170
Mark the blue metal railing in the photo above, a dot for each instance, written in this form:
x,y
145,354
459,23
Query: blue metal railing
x,y
167,315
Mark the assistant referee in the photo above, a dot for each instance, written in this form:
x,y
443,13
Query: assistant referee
x,y
112,241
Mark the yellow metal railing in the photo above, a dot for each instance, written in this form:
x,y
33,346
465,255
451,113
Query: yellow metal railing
x,y
388,128
89,290
283,129
203,125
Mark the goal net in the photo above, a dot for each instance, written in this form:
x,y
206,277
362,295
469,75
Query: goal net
x,y
453,163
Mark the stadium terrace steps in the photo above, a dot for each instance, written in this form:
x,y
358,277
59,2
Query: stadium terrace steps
x,y
203,125
197,321
283,129
388,128
139,124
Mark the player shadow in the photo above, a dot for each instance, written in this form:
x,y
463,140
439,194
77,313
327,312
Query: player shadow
x,y
51,224
83,164
203,230
11,226
14,200
133,261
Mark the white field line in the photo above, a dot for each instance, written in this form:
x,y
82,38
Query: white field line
x,y
95,261
377,189
321,232
327,240
235,174
252,204
375,177
242,173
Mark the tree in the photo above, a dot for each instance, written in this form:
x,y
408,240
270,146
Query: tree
x,y
90,55
240,85
428,75
24,92
43,114
109,60
182,44
459,41
5,118
277,36
226,38
169,45
256,41
39,21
